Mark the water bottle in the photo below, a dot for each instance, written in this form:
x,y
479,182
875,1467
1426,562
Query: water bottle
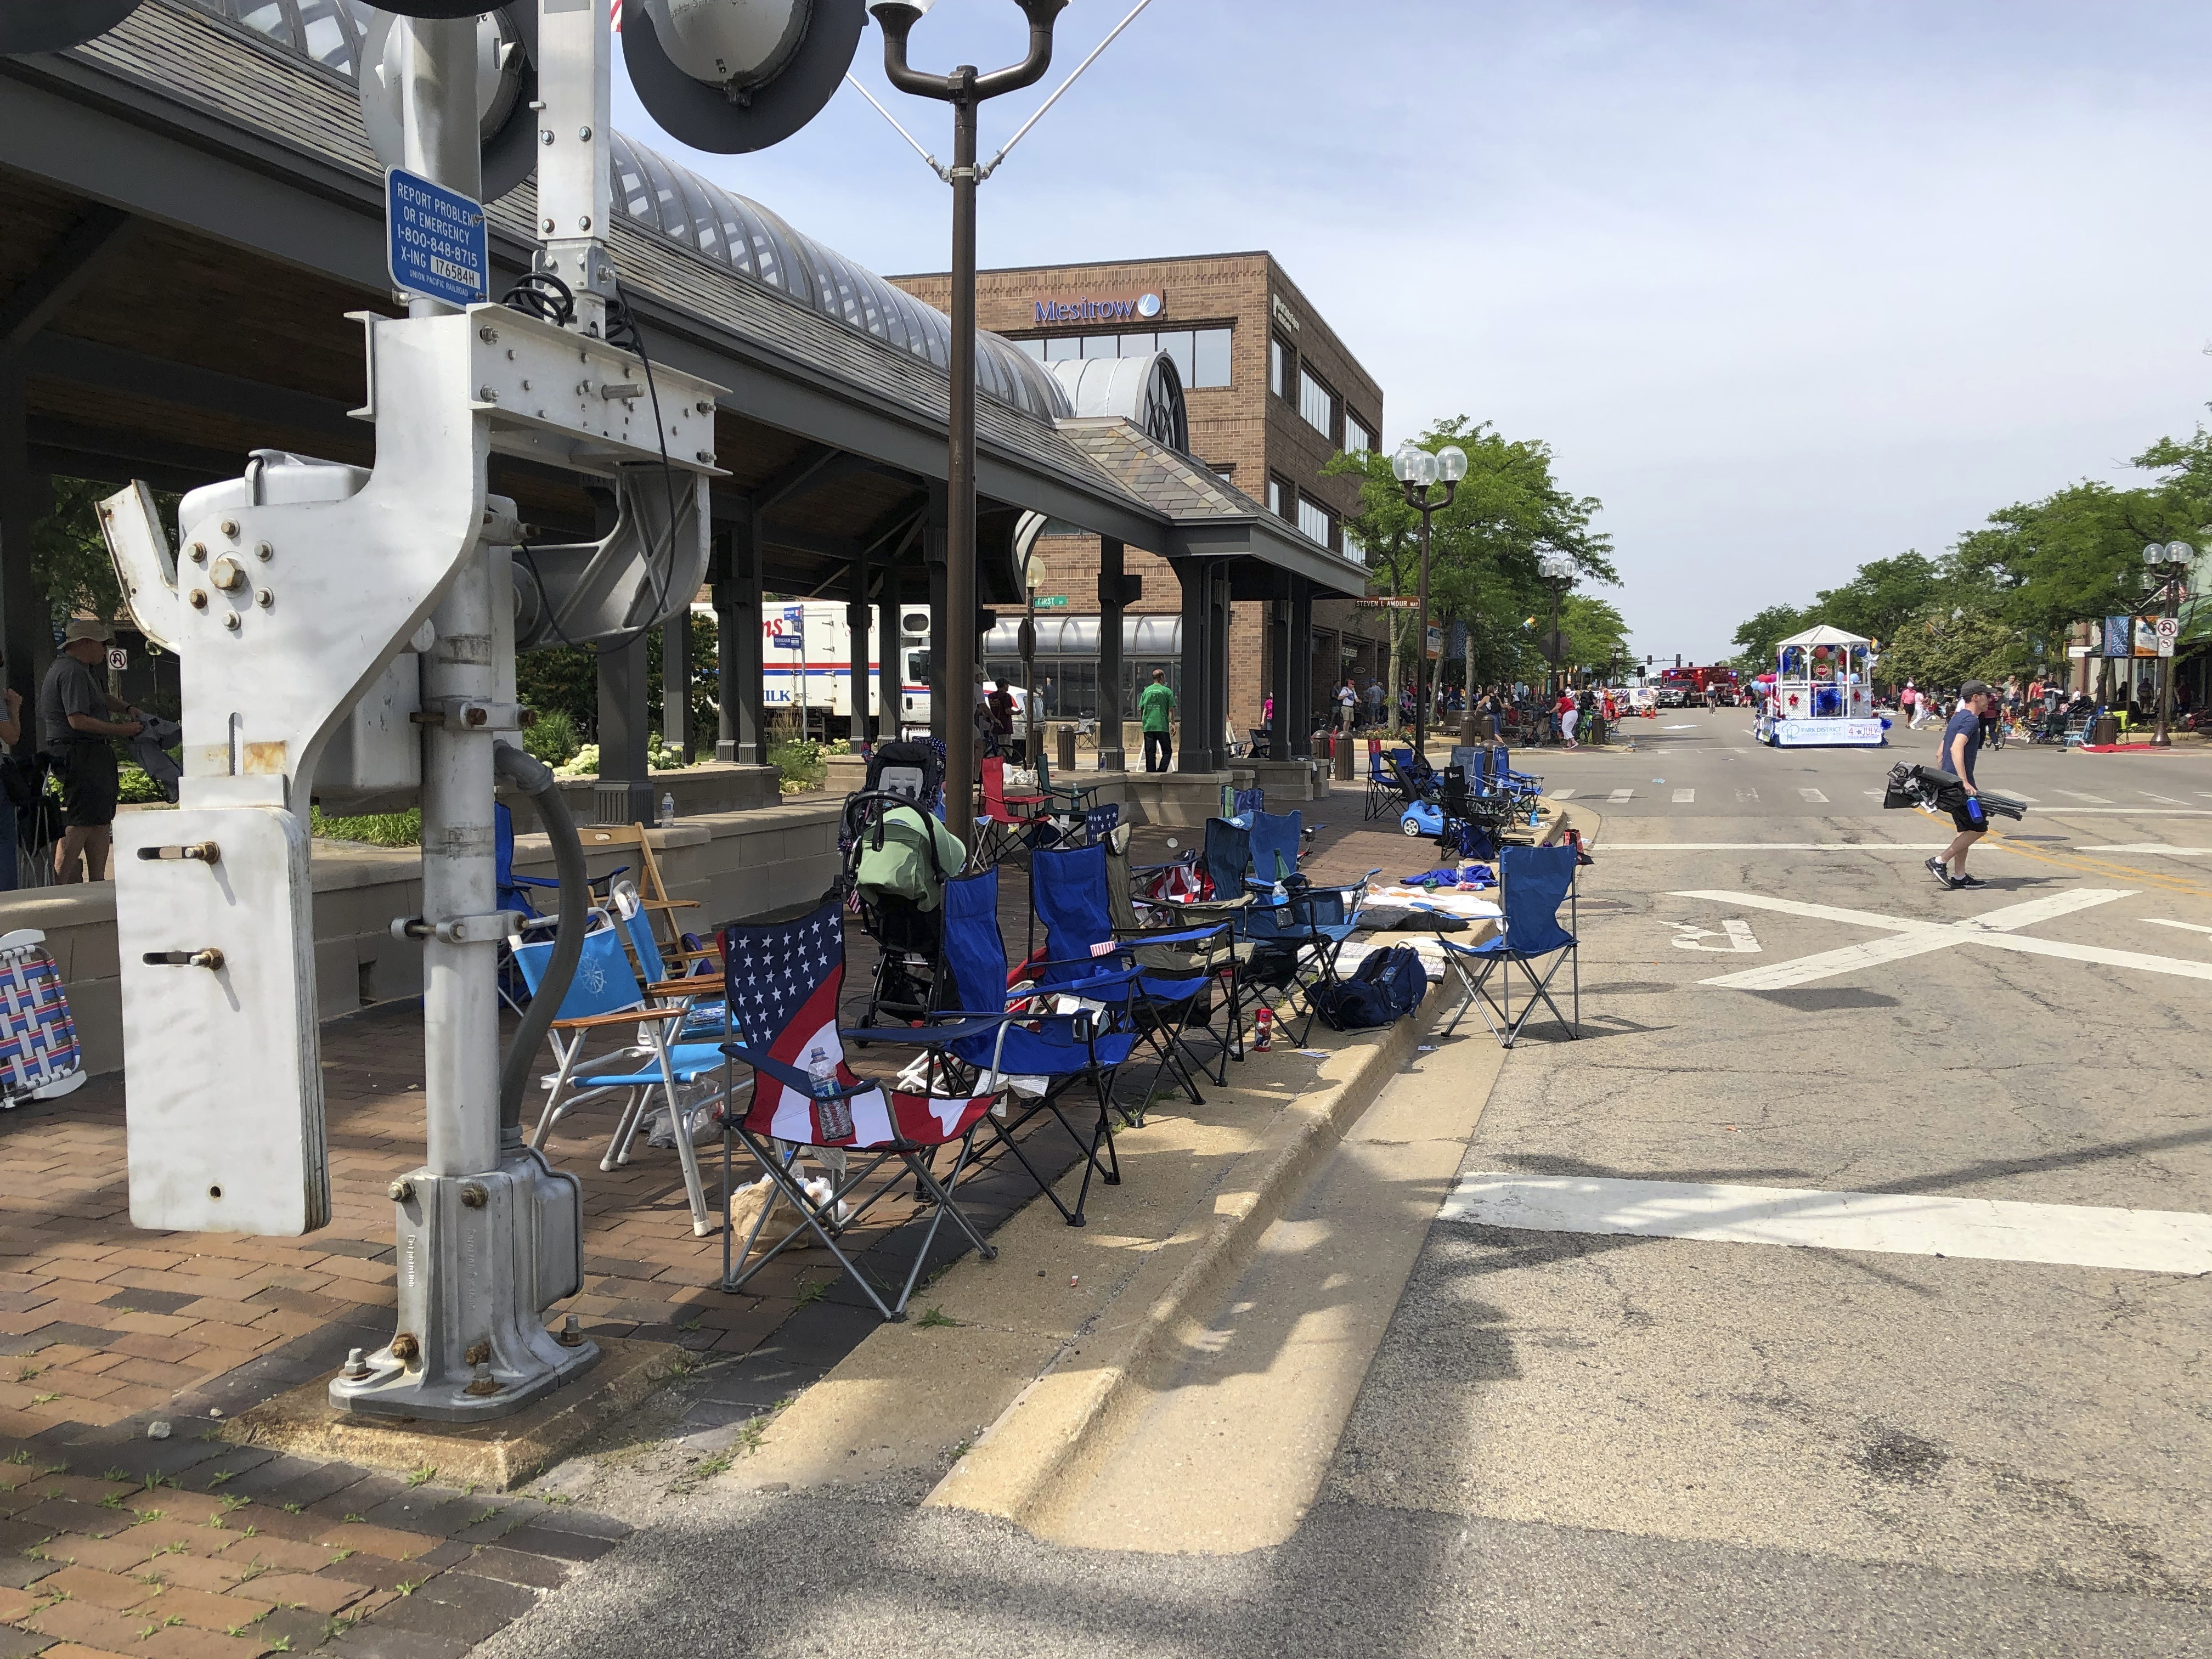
x,y
667,810
1282,893
832,1112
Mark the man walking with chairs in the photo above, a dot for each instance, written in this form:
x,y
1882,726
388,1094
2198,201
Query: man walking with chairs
x,y
73,735
1962,743
1156,713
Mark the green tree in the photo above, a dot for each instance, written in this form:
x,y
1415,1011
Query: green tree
x,y
1757,637
566,680
1507,513
1945,647
1597,634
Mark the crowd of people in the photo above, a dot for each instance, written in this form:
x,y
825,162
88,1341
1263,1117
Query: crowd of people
x,y
2034,706
1513,712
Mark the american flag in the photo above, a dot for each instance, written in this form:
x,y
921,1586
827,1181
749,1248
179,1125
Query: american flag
x,y
783,980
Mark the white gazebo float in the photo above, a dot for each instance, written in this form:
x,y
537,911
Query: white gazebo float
x,y
1820,695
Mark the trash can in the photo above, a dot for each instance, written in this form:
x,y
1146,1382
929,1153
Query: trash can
x,y
1340,752
2105,730
1065,762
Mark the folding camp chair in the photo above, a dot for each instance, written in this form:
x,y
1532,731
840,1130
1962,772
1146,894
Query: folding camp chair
x,y
1382,789
1100,822
1219,955
1295,940
1278,843
653,892
604,993
1007,821
1069,889
1020,1038
1066,798
786,978
706,1018
40,1055
1533,883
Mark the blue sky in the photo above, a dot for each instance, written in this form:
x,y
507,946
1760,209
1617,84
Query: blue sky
x,y
1788,287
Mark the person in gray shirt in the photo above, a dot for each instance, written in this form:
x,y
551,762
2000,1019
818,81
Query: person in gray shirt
x,y
73,735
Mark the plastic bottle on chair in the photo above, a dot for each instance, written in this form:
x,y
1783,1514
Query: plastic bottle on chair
x,y
831,1109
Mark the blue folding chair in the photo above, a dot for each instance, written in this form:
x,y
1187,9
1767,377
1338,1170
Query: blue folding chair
x,y
1006,1034
1228,859
1278,842
1069,889
604,993
1100,822
705,1014
1382,789
1296,939
1533,883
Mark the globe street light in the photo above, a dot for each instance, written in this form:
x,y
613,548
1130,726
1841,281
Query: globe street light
x,y
1557,571
1420,472
2165,564
963,88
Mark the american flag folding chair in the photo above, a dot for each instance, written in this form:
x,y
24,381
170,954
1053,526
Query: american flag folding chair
x,y
782,981
39,1057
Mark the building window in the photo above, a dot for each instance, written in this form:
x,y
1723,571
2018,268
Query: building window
x,y
1354,548
1201,355
1358,440
1316,519
1280,359
1279,498
1316,403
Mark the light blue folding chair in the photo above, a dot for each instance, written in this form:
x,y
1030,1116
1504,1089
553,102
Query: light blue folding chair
x,y
1534,882
604,993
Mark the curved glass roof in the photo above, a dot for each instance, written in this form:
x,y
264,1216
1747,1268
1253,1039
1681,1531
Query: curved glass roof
x,y
672,201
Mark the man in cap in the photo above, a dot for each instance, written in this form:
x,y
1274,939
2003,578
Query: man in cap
x,y
1962,742
73,735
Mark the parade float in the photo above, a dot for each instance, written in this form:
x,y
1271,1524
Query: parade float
x,y
1820,695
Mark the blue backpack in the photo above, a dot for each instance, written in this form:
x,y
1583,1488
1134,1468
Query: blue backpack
x,y
1386,986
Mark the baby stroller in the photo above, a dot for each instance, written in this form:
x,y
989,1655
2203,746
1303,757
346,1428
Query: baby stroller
x,y
897,856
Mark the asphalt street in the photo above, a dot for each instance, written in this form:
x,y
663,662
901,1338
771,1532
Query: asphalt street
x,y
1637,1437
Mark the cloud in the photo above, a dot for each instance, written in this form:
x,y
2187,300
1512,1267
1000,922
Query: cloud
x,y
1788,287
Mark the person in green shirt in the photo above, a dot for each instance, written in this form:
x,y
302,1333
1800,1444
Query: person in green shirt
x,y
1155,712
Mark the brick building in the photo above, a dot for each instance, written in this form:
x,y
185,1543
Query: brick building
x,y
1272,395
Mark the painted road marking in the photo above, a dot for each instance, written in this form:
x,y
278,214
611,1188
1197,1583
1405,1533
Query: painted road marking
x,y
1776,847
1736,931
1746,794
1557,794
1912,938
2094,801
2128,811
2152,846
1684,797
1812,794
1876,794
1895,1223
1621,795
2171,800
2156,921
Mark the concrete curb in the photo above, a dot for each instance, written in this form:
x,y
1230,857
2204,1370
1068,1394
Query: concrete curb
x,y
1044,1435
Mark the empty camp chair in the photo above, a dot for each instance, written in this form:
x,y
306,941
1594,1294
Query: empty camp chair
x,y
1381,788
39,1055
785,978
1079,1050
1007,821
1069,888
605,994
1100,822
1277,845
1296,939
1533,883
1148,927
651,891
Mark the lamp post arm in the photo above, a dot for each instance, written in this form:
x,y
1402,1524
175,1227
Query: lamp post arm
x,y
1031,69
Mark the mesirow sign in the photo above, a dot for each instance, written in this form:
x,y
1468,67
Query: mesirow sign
x,y
1099,311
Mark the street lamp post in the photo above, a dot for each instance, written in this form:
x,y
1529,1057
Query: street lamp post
x,y
1557,572
2167,563
965,89
1422,475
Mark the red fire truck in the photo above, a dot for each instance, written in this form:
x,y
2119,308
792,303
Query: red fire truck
x,y
1714,686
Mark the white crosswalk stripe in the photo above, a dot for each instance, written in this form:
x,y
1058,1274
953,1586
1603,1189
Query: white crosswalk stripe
x,y
1746,794
1684,797
2171,800
1812,795
1563,794
1621,795
1872,794
2094,801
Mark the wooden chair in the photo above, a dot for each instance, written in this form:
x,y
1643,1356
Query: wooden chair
x,y
652,891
